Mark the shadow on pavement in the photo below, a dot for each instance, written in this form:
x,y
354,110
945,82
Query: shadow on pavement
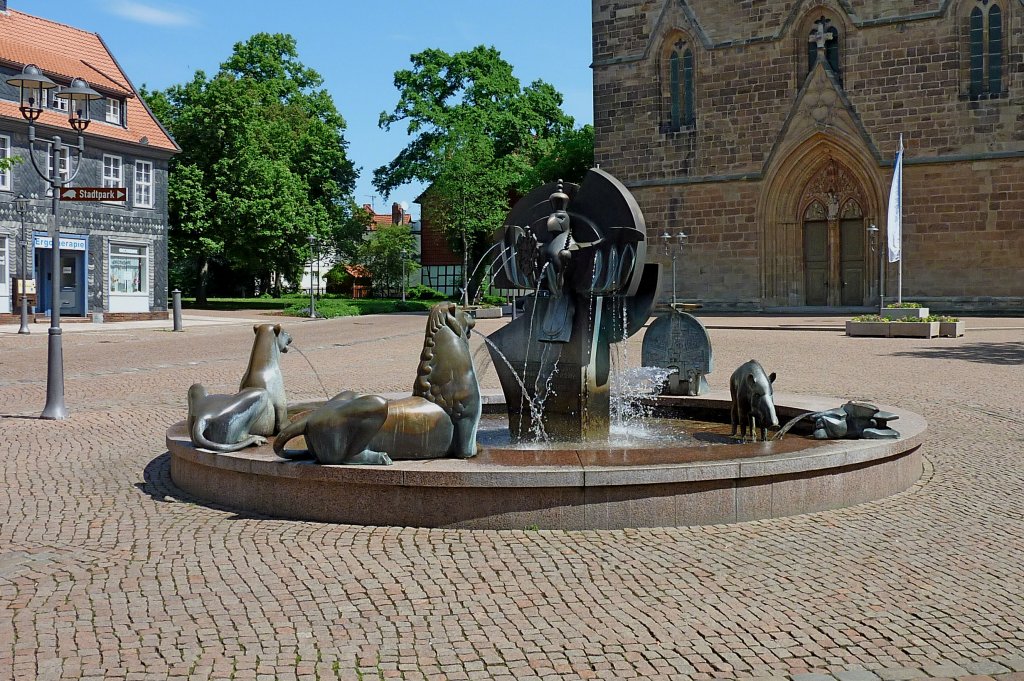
x,y
157,484
157,480
1005,354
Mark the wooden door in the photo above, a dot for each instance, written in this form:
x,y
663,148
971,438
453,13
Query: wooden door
x,y
851,261
816,262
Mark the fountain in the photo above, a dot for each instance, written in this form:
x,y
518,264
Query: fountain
x,y
540,453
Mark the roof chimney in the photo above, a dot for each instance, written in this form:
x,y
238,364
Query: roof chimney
x,y
397,213
3,5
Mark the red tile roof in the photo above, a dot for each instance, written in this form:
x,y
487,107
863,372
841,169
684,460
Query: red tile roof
x,y
385,219
24,39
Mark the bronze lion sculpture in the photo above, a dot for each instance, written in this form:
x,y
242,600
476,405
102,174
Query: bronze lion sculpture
x,y
439,419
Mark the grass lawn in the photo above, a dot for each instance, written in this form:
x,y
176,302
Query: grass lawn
x,y
330,305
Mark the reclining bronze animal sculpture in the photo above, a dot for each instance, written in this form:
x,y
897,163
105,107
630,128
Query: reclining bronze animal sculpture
x,y
227,423
224,423
264,371
439,419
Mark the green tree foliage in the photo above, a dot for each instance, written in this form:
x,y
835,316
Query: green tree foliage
x,y
381,254
478,136
263,165
568,158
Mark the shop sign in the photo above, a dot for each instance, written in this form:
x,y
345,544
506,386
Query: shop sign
x,y
67,243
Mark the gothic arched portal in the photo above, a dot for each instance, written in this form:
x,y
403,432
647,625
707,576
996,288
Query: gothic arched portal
x,y
833,237
818,200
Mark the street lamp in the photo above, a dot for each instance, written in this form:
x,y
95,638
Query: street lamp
x,y
405,280
312,302
672,247
873,240
33,87
21,204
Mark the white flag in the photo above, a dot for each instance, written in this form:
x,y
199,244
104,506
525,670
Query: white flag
x,y
895,221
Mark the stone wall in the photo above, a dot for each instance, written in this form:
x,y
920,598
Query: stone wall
x,y
724,181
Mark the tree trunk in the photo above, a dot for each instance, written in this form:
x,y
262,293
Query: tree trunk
x,y
204,275
278,285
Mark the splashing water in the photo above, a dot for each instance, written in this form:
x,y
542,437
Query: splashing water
x,y
313,368
631,390
522,386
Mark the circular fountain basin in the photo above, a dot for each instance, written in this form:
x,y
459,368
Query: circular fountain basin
x,y
641,483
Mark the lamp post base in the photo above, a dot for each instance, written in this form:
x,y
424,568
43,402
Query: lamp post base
x,y
24,314
55,409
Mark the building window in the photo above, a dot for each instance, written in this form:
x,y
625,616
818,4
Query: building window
x,y
826,35
58,103
985,49
5,152
65,173
112,176
128,269
113,111
678,87
143,193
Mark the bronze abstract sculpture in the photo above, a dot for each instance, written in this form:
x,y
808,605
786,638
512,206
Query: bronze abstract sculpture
x,y
581,250
264,372
680,343
439,419
224,423
753,404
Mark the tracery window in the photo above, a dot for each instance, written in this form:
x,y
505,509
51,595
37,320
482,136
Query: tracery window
x,y
985,41
678,87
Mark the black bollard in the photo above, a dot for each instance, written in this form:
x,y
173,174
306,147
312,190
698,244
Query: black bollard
x,y
177,309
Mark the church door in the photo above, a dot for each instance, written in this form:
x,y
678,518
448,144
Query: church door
x,y
833,239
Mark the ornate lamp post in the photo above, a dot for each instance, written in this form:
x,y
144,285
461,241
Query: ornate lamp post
x,y
873,239
673,247
21,204
34,86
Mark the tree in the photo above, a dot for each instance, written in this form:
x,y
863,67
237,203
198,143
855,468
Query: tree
x,y
263,165
568,158
477,133
381,254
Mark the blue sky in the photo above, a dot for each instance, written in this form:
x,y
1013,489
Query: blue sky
x,y
357,45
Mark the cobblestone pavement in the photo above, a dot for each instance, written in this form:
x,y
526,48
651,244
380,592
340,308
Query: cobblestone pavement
x,y
108,572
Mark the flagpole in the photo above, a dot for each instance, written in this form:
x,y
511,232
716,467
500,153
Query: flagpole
x,y
895,220
899,204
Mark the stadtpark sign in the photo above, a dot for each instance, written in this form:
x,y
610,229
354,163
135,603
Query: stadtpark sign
x,y
93,194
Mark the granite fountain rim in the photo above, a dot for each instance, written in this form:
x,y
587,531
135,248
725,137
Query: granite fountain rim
x,y
750,462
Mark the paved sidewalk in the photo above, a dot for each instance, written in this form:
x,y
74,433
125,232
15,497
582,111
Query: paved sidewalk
x,y
108,572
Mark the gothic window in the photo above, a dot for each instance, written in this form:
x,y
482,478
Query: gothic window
x,y
985,49
678,88
824,32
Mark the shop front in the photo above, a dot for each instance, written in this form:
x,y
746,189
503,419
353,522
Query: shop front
x,y
72,276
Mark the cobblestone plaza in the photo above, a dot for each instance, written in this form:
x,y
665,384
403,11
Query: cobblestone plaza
x,y
108,572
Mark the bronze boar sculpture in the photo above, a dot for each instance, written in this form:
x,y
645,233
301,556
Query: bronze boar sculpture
x,y
440,418
753,402
228,423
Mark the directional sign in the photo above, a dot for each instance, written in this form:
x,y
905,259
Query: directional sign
x,y
93,194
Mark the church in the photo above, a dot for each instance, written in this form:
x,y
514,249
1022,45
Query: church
x,y
767,130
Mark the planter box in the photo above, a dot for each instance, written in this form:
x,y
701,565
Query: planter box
x,y
483,312
904,312
878,329
914,329
951,329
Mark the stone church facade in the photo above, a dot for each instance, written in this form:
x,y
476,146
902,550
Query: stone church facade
x,y
766,130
